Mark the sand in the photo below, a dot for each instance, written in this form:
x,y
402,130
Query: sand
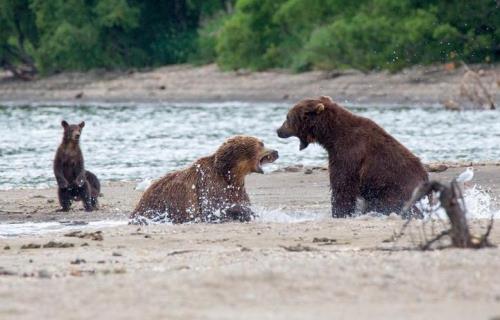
x,y
266,269
426,86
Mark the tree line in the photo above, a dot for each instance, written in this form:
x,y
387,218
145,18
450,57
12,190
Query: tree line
x,y
42,36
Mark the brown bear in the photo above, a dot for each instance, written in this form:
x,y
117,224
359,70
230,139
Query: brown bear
x,y
212,189
73,181
364,160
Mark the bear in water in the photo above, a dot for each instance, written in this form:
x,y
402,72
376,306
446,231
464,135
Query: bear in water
x,y
212,189
73,181
364,160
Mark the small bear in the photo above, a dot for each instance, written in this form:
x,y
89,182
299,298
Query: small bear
x,y
73,181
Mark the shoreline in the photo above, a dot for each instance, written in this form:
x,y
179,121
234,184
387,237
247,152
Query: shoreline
x,y
421,86
306,193
292,262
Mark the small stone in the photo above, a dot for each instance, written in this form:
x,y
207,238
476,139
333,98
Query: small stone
x,y
308,171
31,246
120,270
55,244
117,254
4,272
44,274
6,248
78,261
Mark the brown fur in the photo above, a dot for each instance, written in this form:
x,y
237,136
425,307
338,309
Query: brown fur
x,y
364,160
74,182
211,189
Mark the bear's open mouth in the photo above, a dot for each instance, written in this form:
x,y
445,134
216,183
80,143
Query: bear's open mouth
x,y
269,156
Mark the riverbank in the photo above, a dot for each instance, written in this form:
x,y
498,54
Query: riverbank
x,y
306,191
294,262
421,86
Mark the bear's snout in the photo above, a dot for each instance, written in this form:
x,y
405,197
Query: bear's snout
x,y
273,155
284,132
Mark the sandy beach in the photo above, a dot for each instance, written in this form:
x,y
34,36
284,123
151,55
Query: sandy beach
x,y
425,86
297,265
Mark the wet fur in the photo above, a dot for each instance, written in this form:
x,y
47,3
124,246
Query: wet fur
x,y
74,182
364,160
211,189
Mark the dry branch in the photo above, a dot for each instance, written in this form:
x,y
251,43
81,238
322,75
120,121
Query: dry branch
x,y
451,200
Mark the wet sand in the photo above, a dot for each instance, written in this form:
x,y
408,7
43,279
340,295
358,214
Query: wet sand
x,y
318,269
425,86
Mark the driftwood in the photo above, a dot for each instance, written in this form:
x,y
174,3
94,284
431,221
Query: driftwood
x,y
473,94
20,64
451,200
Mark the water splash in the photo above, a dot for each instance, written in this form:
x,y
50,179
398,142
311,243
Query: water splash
x,y
281,215
479,204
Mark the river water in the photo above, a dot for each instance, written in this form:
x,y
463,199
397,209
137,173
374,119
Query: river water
x,y
137,141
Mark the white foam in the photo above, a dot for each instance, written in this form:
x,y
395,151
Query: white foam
x,y
281,215
479,204
37,228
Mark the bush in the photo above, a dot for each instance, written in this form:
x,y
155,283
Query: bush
x,y
376,34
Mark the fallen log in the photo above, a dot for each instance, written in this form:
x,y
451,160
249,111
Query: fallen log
x,y
452,201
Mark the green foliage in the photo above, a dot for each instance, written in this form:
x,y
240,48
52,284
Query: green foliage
x,y
207,39
85,34
255,34
249,38
365,34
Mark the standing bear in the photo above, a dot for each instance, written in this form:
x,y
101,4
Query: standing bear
x,y
73,181
212,189
364,160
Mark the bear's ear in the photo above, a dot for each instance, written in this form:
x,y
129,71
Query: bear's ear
x,y
326,98
82,124
314,111
319,108
64,124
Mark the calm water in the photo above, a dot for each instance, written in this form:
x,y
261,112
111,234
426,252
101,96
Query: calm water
x,y
139,141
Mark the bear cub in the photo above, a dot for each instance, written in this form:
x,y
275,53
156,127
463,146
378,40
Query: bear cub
x,y
73,181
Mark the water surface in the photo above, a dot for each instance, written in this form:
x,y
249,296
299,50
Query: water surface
x,y
135,141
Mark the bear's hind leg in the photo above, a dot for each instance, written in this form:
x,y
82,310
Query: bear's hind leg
x,y
64,196
86,197
385,203
94,203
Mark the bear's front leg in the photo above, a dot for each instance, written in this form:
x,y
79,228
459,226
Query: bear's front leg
x,y
345,190
239,213
80,179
